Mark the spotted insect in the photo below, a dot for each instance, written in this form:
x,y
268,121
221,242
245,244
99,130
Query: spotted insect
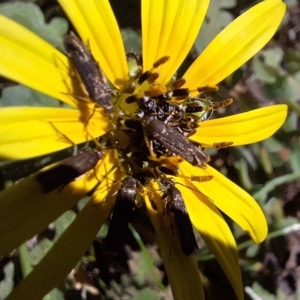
x,y
175,204
203,108
173,141
121,214
89,71
221,145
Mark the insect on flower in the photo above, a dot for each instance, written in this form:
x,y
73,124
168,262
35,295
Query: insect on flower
x,y
89,71
175,204
121,214
68,170
172,140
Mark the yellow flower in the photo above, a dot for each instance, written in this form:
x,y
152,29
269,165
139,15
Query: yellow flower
x,y
167,30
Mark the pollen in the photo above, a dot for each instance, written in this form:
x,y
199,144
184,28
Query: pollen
x,y
156,90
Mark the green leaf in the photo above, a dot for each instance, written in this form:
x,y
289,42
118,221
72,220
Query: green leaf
x,y
20,95
294,156
132,40
63,222
252,251
272,184
292,60
144,271
147,294
290,123
31,17
55,294
285,225
215,20
272,144
7,284
273,57
243,171
263,72
260,293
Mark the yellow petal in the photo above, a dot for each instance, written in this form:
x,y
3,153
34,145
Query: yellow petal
x,y
26,210
236,44
231,199
244,128
215,232
169,29
67,250
98,28
28,59
31,131
182,270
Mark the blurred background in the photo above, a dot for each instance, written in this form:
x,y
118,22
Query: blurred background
x,y
269,171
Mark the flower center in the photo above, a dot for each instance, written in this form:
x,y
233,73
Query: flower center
x,y
154,120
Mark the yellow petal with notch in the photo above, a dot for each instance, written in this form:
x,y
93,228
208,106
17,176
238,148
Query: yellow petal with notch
x,y
231,199
241,129
169,28
236,44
